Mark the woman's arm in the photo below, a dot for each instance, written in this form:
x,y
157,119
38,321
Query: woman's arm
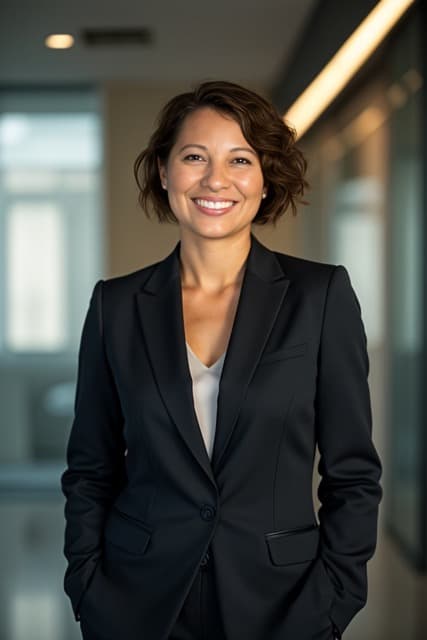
x,y
349,489
95,455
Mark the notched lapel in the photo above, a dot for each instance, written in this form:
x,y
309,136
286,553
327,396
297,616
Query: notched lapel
x,y
161,316
160,310
263,290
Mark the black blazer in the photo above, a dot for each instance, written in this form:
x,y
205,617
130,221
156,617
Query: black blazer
x,y
144,501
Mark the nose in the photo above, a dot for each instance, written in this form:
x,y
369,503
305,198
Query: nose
x,y
215,177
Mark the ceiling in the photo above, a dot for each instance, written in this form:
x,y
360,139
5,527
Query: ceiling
x,y
246,41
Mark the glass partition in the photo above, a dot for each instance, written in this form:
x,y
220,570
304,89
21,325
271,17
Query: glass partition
x,y
407,486
366,164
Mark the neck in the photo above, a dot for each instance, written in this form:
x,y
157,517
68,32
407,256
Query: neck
x,y
213,265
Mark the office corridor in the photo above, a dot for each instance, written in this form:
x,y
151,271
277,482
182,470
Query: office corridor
x,y
72,123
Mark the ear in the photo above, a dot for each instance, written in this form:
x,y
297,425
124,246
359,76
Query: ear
x,y
162,173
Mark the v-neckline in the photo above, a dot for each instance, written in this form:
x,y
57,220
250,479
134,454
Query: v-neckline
x,y
208,368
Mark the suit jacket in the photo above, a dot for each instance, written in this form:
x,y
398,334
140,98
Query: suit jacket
x,y
144,502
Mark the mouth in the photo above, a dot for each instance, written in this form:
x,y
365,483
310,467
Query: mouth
x,y
214,207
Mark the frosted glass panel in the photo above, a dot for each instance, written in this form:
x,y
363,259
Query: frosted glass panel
x,y
35,268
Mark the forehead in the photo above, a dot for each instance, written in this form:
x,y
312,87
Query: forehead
x,y
206,122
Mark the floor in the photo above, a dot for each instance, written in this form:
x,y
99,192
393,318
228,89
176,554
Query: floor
x,y
33,606
32,602
397,601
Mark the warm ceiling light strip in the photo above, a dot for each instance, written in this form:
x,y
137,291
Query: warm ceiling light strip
x,y
345,63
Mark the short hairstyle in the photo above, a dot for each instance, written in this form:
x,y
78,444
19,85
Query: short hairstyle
x,y
282,163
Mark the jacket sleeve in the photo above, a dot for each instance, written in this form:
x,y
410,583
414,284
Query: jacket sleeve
x,y
350,470
95,455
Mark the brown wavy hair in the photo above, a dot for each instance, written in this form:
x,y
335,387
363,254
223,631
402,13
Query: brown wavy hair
x,y
282,163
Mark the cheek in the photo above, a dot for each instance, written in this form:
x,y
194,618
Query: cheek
x,y
180,180
251,186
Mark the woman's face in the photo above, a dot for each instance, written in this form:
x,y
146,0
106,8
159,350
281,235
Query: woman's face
x,y
213,177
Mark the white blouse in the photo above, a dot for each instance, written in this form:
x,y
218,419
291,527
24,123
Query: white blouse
x,y
205,395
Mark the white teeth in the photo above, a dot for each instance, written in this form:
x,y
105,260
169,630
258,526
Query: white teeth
x,y
211,204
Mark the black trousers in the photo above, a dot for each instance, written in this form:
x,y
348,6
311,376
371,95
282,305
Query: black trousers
x,y
200,617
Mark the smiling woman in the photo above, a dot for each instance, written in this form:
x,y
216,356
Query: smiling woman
x,y
213,178
265,139
206,382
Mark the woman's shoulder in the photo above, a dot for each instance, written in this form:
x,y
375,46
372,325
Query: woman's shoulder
x,y
319,280
299,268
292,266
132,279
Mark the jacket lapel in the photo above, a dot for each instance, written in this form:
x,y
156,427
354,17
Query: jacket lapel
x,y
263,290
160,310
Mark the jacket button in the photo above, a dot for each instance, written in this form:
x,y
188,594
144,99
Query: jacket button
x,y
205,560
207,512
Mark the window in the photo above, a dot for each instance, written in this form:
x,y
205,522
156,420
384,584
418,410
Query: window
x,y
50,199
50,258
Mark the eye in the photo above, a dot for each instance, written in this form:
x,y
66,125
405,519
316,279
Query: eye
x,y
193,157
241,161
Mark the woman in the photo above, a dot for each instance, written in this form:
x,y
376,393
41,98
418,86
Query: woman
x,y
205,383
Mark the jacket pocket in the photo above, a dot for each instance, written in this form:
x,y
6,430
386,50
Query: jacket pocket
x,y
293,351
79,582
127,533
294,545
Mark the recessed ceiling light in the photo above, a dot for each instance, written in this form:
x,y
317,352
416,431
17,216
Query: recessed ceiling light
x,y
59,41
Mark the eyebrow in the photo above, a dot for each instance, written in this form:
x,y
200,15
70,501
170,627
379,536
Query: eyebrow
x,y
234,149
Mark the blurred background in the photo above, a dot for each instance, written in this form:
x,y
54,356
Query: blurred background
x,y
73,120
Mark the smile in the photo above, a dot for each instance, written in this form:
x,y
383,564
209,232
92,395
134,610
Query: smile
x,y
213,204
216,205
